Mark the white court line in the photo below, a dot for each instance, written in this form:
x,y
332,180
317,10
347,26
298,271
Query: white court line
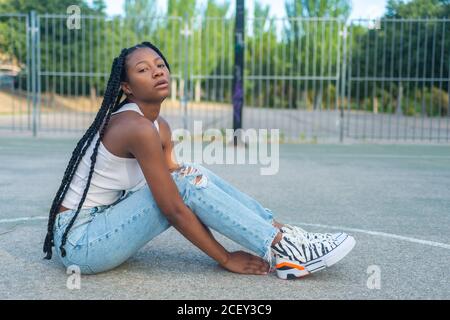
x,y
373,233
350,155
23,219
382,234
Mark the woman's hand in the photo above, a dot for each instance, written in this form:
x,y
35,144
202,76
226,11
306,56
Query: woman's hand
x,y
245,263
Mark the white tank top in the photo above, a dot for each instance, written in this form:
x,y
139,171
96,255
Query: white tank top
x,y
112,175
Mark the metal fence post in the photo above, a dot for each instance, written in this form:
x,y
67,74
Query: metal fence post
x,y
184,100
33,70
28,65
238,95
343,82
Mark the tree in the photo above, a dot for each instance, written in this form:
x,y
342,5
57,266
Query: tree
x,y
317,43
418,9
49,6
54,34
318,8
406,47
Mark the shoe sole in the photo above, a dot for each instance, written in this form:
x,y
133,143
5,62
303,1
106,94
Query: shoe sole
x,y
288,269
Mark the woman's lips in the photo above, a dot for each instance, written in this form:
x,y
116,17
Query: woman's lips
x,y
162,85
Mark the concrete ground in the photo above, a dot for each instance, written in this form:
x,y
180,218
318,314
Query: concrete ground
x,y
394,199
294,125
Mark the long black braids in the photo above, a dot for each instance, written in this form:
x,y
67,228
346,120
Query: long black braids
x,y
110,103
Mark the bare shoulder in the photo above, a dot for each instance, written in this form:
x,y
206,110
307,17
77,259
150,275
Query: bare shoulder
x,y
139,127
123,128
162,120
164,129
163,124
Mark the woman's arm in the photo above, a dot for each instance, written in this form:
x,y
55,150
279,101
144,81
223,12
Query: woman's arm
x,y
165,134
145,144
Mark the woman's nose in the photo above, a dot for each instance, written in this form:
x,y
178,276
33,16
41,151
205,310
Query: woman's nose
x,y
158,72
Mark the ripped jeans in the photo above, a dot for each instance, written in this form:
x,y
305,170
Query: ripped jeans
x,y
104,237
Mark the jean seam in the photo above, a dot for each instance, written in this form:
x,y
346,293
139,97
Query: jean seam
x,y
116,230
71,263
90,244
67,260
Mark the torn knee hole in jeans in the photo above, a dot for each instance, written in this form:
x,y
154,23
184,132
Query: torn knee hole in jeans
x,y
200,179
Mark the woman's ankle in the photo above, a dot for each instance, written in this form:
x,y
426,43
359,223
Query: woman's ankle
x,y
277,238
276,224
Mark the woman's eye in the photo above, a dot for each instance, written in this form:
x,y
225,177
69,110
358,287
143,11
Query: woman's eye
x,y
161,65
142,70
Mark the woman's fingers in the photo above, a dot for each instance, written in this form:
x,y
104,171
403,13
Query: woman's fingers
x,y
256,270
261,262
244,262
259,267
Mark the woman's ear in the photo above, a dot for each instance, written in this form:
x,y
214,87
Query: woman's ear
x,y
126,88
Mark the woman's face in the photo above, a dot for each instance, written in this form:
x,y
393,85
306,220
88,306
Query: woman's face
x,y
145,68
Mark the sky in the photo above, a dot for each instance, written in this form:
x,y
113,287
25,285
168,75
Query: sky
x,y
360,8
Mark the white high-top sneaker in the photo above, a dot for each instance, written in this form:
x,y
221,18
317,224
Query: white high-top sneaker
x,y
298,255
339,236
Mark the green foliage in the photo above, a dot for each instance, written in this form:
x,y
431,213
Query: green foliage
x,y
403,49
418,9
318,8
305,47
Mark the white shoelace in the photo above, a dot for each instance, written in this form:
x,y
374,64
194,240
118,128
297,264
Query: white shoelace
x,y
300,239
311,236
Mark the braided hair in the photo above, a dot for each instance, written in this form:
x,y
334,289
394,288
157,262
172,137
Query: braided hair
x,y
110,103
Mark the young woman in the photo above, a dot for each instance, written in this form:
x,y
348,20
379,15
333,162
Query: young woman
x,y
122,187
